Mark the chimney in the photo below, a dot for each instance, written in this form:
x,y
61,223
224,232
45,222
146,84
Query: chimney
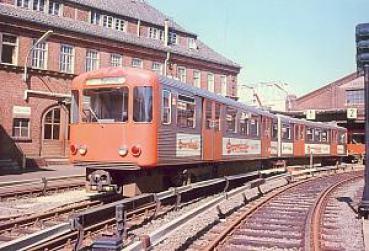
x,y
166,32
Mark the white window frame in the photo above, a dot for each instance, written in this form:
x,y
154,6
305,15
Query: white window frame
x,y
182,77
95,17
120,24
108,21
20,127
170,108
71,58
15,50
137,66
211,81
39,5
116,60
223,85
39,56
89,60
159,70
192,43
171,35
60,11
30,4
195,72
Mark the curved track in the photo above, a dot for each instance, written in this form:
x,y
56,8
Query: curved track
x,y
283,220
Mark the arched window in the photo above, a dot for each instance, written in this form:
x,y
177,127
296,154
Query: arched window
x,y
52,124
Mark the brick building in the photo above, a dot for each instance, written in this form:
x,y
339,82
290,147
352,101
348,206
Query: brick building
x,y
341,101
87,34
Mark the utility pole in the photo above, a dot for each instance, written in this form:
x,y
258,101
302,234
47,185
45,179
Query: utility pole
x,y
362,61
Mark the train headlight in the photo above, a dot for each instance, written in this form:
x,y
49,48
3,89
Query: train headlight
x,y
123,151
82,150
136,150
73,149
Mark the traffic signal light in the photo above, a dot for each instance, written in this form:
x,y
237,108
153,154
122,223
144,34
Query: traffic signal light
x,y
362,46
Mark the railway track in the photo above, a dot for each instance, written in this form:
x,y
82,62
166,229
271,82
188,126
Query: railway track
x,y
288,219
90,225
39,187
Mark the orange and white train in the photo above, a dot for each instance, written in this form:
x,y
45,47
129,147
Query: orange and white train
x,y
129,124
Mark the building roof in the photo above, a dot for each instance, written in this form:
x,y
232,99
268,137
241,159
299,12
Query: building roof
x,y
338,82
136,9
56,22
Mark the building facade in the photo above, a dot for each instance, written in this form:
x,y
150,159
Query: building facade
x,y
86,35
341,101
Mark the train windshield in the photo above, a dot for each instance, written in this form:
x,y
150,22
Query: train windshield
x,y
107,105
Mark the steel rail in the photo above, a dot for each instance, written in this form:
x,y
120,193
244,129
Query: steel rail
x,y
312,237
250,212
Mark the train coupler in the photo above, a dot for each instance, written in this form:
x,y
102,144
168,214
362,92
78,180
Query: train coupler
x,y
101,181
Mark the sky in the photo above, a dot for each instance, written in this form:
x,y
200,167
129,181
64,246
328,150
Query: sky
x,y
306,44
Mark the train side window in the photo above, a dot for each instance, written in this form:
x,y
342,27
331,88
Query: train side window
x,y
342,138
309,134
286,131
254,126
275,131
244,124
142,104
318,135
166,113
231,115
217,117
325,137
186,112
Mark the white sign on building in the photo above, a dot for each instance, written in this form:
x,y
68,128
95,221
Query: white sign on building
x,y
352,113
310,114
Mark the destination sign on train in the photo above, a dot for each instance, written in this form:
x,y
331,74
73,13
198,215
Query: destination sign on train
x,y
106,81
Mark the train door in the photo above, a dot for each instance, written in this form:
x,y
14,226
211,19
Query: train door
x,y
299,140
212,137
266,137
334,142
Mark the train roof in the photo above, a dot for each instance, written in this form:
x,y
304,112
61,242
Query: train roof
x,y
210,95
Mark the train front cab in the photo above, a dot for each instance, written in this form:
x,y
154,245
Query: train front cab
x,y
113,123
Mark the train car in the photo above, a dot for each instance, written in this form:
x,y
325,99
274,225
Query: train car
x,y
131,126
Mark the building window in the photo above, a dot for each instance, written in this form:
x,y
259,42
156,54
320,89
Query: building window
x,y
325,137
66,58
355,97
54,8
8,48
95,17
92,60
23,3
116,60
166,113
318,135
39,5
181,74
52,124
223,85
192,43
157,68
231,115
21,128
186,112
137,63
173,39
120,24
156,33
197,79
107,21
211,82
39,56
